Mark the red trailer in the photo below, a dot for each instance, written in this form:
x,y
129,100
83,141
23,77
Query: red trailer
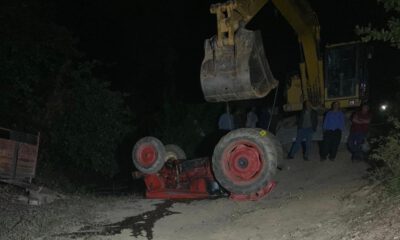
x,y
18,155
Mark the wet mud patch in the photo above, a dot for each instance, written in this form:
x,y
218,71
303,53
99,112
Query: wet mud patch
x,y
140,225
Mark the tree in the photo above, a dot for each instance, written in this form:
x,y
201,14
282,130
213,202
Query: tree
x,y
391,32
33,52
48,86
190,126
87,123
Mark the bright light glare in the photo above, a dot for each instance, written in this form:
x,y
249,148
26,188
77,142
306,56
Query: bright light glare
x,y
383,107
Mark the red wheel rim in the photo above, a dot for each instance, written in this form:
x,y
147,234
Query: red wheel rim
x,y
242,162
146,155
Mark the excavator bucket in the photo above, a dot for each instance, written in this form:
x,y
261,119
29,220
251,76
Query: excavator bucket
x,y
236,72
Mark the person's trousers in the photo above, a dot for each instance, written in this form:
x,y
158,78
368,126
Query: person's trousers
x,y
331,143
354,143
302,134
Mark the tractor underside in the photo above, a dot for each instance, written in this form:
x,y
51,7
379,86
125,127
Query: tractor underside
x,y
242,167
191,179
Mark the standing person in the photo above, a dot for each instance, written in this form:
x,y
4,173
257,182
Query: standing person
x,y
306,125
239,118
332,128
225,122
358,132
263,118
252,119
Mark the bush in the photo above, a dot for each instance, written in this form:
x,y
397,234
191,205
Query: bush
x,y
388,150
387,147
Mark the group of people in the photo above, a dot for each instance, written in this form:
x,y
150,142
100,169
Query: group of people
x,y
333,126
253,118
307,122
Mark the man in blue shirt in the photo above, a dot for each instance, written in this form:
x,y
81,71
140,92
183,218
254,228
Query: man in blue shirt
x,y
333,126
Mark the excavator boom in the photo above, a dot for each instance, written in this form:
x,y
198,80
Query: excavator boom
x,y
235,66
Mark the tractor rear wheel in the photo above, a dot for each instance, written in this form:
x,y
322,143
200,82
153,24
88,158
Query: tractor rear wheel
x,y
149,155
245,160
174,152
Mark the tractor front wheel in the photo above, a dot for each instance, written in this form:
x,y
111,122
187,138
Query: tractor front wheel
x,y
174,152
149,155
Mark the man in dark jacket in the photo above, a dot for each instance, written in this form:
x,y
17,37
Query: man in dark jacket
x,y
306,125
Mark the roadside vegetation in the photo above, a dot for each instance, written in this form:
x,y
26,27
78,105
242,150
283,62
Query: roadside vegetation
x,y
48,86
387,146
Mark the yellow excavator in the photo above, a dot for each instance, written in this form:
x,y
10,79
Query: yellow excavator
x,y
235,66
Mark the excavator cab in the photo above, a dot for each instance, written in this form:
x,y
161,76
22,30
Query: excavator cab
x,y
346,73
236,72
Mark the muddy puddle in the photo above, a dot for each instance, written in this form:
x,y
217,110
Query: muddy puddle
x,y
139,225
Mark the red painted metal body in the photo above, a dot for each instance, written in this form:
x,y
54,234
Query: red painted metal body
x,y
241,162
189,179
254,196
147,155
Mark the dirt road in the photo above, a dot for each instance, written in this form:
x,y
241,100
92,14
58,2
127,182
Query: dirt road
x,y
312,200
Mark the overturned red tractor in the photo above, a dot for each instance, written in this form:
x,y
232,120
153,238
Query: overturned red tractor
x,y
242,166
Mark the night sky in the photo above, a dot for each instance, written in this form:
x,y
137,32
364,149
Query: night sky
x,y
158,45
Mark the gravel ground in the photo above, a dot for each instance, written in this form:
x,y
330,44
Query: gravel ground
x,y
18,220
313,201
379,220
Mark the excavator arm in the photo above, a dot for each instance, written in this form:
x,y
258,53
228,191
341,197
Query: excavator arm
x,y
231,14
304,21
224,52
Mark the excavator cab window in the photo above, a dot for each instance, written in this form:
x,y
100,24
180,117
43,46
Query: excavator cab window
x,y
341,71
